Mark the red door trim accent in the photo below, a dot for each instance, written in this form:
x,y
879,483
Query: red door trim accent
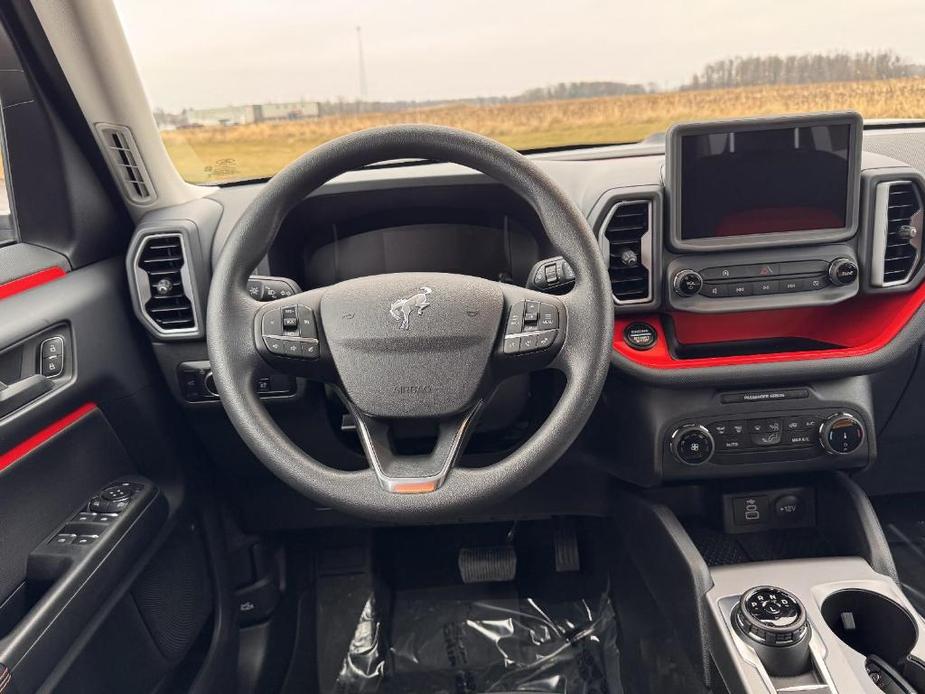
x,y
855,328
21,284
23,449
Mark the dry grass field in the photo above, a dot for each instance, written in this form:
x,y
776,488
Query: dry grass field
x,y
218,154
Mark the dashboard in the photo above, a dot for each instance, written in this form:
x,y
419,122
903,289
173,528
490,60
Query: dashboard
x,y
763,271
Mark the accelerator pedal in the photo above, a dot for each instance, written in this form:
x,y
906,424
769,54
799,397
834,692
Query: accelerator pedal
x,y
565,538
487,564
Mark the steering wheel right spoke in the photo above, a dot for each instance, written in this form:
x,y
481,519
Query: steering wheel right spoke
x,y
532,333
289,337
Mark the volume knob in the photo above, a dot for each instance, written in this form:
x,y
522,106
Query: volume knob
x,y
841,434
687,282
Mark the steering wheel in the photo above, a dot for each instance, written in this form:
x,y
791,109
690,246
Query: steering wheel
x,y
410,345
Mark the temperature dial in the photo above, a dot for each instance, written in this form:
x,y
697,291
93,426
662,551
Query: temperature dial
x,y
841,434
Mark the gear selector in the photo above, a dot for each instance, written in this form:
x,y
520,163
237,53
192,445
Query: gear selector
x,y
773,622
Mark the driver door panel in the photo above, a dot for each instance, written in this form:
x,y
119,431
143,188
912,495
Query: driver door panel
x,y
102,420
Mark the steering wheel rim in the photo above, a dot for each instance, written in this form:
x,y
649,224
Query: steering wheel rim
x,y
583,357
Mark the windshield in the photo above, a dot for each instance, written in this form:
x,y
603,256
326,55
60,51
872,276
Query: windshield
x,y
240,89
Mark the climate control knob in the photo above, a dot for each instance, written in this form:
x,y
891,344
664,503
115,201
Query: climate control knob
x,y
843,271
687,282
692,444
841,434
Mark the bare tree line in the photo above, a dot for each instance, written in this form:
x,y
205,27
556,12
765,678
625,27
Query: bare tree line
x,y
745,71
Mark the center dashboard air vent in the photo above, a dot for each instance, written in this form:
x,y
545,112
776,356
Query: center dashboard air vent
x,y
897,243
164,283
626,239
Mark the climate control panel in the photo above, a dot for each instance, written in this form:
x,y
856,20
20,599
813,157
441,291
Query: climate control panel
x,y
768,437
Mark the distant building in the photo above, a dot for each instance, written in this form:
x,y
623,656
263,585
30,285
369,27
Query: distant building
x,y
251,113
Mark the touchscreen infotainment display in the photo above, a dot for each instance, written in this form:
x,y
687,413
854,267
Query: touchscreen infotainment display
x,y
777,179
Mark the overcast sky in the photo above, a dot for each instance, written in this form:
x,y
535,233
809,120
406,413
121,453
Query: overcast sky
x,y
200,53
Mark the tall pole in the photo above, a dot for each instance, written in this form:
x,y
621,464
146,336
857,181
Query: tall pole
x,y
362,63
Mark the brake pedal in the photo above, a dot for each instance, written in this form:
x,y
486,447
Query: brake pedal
x,y
487,564
565,538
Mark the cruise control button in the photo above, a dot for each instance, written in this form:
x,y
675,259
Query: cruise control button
x,y
511,345
549,317
272,323
543,340
528,343
307,325
309,348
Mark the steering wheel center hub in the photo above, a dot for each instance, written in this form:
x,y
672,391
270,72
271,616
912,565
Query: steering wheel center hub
x,y
412,344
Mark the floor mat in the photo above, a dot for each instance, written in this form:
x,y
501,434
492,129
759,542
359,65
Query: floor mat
x,y
453,641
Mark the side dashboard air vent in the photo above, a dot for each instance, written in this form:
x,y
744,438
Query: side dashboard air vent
x,y
127,163
164,283
626,239
897,243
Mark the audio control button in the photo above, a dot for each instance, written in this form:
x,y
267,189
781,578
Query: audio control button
x,y
687,282
843,271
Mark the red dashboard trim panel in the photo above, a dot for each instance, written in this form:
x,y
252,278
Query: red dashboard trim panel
x,y
21,284
856,327
24,448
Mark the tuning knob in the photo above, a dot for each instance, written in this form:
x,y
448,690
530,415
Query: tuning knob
x,y
841,434
843,271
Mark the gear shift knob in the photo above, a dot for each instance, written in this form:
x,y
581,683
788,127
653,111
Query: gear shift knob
x,y
773,622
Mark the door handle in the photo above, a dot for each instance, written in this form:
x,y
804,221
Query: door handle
x,y
15,395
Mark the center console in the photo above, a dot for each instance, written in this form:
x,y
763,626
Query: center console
x,y
825,625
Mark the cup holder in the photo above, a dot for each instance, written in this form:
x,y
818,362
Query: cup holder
x,y
871,624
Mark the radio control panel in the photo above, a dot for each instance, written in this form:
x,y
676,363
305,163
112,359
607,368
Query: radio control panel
x,y
736,282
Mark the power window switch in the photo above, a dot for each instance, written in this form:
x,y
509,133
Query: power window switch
x,y
86,539
87,517
63,539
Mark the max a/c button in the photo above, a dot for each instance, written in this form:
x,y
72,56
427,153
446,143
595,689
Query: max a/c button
x,y
640,336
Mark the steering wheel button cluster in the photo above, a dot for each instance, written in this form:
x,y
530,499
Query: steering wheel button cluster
x,y
291,332
531,326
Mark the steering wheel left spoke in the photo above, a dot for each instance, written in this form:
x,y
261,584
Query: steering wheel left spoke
x,y
289,336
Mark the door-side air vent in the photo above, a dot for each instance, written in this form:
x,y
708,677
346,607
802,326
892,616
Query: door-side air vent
x,y
626,239
897,243
164,283
127,163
